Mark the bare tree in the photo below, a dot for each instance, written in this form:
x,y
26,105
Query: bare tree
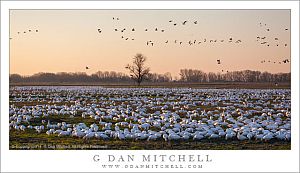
x,y
137,69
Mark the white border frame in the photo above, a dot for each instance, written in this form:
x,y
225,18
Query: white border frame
x,y
82,161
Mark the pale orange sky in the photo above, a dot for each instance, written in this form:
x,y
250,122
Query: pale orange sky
x,y
68,40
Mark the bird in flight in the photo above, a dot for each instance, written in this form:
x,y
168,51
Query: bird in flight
x,y
99,30
218,61
195,22
285,61
87,68
184,22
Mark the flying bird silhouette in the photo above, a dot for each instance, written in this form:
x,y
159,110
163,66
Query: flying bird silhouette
x,y
285,61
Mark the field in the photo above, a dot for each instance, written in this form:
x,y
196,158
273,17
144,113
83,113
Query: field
x,y
122,117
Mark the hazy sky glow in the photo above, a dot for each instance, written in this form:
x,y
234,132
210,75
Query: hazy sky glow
x,y
68,40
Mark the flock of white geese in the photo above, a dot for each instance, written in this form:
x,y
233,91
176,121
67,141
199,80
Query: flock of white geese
x,y
156,114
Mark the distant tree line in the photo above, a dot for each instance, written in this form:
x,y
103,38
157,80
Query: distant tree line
x,y
82,77
192,75
186,75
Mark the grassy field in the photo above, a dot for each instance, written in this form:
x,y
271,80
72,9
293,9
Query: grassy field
x,y
30,139
34,141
